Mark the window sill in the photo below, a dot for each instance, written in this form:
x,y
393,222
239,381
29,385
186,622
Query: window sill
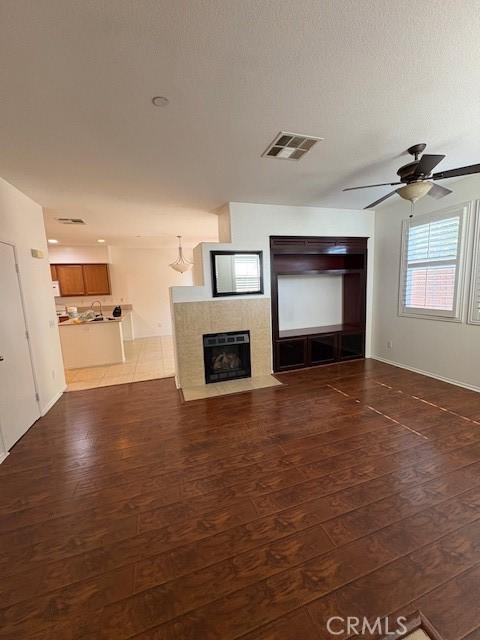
x,y
429,316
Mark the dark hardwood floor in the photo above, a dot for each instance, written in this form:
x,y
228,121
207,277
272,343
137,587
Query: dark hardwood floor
x,y
352,491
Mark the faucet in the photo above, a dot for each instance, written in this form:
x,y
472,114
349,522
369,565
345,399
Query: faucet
x,y
99,304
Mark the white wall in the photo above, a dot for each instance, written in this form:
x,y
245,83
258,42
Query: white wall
x,y
142,278
251,226
309,301
21,223
78,255
447,350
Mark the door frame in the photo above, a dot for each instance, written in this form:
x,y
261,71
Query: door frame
x,y
28,334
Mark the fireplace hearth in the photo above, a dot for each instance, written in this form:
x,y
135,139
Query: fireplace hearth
x,y
226,356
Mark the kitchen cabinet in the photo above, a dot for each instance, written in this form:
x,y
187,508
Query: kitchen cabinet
x,y
96,279
82,279
70,278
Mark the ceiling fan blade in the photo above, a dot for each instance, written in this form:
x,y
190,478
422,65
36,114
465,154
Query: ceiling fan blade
x,y
437,191
367,186
426,163
374,204
460,171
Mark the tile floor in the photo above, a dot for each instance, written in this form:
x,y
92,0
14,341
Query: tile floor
x,y
146,359
231,386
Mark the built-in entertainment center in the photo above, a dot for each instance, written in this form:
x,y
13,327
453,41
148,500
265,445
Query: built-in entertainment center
x,y
318,300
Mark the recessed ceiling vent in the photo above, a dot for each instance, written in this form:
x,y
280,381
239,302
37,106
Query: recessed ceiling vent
x,y
70,220
290,146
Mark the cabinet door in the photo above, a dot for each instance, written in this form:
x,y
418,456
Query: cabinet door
x,y
352,345
96,278
323,348
53,272
291,354
70,277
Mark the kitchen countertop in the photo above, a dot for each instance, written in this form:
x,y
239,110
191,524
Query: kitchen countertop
x,y
69,323
106,308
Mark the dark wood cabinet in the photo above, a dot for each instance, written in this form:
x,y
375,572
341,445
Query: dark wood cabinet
x,y
352,345
81,279
291,354
309,256
323,348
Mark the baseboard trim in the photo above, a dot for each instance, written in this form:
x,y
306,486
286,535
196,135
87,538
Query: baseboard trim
x,y
429,374
51,402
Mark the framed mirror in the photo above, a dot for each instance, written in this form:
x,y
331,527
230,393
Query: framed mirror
x,y
236,273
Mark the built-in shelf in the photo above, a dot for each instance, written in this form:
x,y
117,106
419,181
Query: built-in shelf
x,y
314,258
317,272
310,331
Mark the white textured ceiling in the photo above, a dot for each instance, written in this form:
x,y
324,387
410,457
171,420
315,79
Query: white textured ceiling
x,y
78,131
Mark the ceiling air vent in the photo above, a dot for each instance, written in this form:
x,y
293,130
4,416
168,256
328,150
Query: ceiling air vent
x,y
290,146
70,220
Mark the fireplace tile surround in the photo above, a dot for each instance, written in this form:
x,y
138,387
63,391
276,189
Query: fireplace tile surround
x,y
193,320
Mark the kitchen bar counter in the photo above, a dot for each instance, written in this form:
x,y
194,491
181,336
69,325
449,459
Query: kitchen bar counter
x,y
90,344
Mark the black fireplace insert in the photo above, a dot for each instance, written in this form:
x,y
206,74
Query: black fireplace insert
x,y
226,356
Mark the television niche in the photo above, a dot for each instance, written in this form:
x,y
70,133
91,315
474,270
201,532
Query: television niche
x,y
318,300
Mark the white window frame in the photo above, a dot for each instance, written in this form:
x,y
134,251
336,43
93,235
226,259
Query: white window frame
x,y
475,267
456,315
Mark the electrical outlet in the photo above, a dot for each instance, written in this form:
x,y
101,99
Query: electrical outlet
x,y
389,344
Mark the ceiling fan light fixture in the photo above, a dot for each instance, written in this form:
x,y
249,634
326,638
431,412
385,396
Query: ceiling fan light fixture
x,y
414,191
181,264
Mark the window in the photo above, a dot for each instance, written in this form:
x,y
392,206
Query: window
x,y
432,265
474,314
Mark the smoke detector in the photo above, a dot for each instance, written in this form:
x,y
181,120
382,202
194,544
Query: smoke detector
x,y
290,146
70,220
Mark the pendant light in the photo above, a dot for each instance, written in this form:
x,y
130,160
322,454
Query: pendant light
x,y
181,264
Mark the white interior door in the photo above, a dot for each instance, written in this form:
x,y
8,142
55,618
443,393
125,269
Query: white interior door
x,y
18,404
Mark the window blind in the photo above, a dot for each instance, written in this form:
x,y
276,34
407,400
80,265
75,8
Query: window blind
x,y
474,315
247,273
430,265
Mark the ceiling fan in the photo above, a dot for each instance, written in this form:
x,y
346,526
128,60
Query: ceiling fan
x,y
416,176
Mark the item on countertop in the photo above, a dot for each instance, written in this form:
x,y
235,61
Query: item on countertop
x,y
72,312
117,312
88,316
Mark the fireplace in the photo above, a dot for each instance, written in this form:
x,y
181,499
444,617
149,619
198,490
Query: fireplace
x,y
226,356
